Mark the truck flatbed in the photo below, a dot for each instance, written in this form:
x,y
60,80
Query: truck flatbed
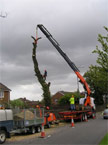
x,y
65,115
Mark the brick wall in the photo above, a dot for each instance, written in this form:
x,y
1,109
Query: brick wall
x,y
6,98
56,98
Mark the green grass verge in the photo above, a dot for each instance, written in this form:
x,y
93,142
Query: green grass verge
x,y
104,141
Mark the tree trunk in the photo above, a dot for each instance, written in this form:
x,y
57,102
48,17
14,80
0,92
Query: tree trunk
x,y
45,86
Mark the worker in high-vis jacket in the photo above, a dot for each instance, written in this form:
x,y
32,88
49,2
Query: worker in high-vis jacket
x,y
72,103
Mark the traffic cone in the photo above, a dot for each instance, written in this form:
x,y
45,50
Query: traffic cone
x,y
93,116
72,122
42,132
86,118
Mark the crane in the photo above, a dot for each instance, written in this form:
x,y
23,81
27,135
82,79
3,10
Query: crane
x,y
70,63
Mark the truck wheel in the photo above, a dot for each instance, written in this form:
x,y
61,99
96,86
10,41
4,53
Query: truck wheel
x,y
83,117
33,130
94,115
38,129
2,136
48,125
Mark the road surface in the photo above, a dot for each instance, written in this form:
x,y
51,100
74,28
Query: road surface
x,y
84,133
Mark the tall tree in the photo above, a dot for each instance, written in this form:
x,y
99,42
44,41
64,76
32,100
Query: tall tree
x,y
41,78
97,76
17,103
102,52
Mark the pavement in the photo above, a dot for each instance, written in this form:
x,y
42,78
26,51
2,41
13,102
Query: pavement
x,y
48,132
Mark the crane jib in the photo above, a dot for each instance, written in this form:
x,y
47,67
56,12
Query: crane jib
x,y
57,46
71,64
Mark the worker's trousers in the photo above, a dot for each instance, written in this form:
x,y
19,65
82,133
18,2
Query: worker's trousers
x,y
72,107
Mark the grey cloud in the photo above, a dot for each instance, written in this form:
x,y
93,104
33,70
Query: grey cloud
x,y
74,24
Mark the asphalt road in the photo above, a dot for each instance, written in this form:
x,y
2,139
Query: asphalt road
x,y
84,133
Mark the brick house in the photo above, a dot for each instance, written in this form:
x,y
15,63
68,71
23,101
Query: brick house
x,y
4,94
55,98
29,103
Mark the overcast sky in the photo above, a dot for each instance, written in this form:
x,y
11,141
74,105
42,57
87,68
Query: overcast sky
x,y
75,24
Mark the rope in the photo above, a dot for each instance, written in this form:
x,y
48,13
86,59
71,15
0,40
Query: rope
x,y
36,33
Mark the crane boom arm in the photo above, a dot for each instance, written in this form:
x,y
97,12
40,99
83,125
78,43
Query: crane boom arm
x,y
70,63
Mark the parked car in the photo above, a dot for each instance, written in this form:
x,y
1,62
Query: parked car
x,y
105,114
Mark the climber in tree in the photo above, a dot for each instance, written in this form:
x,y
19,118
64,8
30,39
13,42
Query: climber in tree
x,y
45,75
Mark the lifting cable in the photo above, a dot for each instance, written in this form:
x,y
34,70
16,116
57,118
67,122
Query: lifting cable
x,y
36,35
37,38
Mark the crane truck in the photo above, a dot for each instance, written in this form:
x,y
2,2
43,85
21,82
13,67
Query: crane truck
x,y
88,101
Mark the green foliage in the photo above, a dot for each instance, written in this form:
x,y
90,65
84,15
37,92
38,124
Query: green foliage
x,y
102,59
65,99
17,103
6,105
104,141
97,76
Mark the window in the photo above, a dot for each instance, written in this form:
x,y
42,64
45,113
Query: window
x,y
1,94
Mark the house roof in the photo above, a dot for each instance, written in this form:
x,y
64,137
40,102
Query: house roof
x,y
63,92
28,101
24,99
4,88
